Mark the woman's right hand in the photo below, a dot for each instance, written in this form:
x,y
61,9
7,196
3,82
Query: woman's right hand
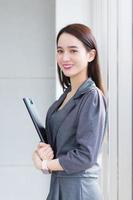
x,y
37,160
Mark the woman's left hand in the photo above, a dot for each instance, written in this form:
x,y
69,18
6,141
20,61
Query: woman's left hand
x,y
45,151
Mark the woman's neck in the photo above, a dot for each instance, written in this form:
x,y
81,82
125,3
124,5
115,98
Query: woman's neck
x,y
76,83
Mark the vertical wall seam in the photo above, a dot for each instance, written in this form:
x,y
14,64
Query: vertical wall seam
x,y
132,101
117,63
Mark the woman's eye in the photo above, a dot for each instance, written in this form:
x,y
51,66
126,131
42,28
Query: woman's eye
x,y
59,51
74,51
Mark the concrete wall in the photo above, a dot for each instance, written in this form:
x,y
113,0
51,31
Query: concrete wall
x,y
112,23
27,68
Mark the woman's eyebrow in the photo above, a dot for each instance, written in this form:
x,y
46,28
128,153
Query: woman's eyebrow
x,y
67,47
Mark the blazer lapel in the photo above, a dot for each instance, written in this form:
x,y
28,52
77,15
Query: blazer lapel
x,y
69,109
85,87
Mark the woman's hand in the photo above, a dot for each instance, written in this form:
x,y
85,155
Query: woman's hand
x,y
45,151
37,160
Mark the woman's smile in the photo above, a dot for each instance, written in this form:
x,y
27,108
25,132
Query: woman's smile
x,y
67,66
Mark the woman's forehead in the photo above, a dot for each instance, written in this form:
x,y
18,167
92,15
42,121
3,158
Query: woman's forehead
x,y
69,41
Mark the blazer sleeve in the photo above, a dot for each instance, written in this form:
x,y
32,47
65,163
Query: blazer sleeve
x,y
89,135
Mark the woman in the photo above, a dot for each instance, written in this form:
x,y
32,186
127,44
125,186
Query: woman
x,y
75,123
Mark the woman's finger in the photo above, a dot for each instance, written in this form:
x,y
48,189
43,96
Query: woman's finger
x,y
50,155
36,160
41,144
44,150
44,154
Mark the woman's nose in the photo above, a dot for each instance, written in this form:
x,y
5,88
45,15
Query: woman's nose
x,y
66,56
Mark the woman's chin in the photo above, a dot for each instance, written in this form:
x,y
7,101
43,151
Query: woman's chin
x,y
69,74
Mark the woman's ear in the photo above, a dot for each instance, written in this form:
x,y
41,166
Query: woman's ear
x,y
91,55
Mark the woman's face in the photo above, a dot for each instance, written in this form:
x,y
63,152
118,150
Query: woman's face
x,y
72,57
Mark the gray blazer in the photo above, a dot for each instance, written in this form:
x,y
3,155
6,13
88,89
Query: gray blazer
x,y
80,135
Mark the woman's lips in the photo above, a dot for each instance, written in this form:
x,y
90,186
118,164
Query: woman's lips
x,y
67,66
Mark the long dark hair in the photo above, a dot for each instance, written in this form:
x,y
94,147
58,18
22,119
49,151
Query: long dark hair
x,y
84,34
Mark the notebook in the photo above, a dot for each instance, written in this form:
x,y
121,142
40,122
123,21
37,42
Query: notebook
x,y
30,105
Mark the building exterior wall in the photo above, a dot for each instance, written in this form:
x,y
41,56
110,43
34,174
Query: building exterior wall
x,y
27,69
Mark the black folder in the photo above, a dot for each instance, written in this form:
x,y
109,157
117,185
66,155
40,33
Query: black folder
x,y
35,119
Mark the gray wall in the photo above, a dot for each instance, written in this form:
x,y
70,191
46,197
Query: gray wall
x,y
112,22
27,68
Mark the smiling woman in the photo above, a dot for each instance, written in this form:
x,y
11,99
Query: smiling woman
x,y
72,56
75,123
77,42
